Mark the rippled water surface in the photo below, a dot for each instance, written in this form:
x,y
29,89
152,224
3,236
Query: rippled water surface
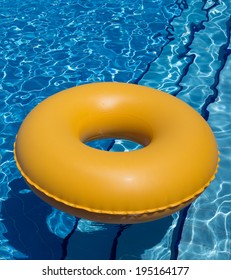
x,y
181,47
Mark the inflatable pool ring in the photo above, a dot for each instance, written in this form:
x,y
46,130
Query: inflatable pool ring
x,y
178,161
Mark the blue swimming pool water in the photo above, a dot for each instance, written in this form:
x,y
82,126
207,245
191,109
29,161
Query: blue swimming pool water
x,y
181,47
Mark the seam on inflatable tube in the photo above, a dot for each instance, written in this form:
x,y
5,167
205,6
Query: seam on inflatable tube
x,y
109,212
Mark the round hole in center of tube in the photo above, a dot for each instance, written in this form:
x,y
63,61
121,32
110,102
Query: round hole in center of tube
x,y
114,145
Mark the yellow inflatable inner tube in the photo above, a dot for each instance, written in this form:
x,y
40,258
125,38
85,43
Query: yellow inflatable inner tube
x,y
177,163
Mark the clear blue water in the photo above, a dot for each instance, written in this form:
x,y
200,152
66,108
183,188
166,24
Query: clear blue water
x,y
181,47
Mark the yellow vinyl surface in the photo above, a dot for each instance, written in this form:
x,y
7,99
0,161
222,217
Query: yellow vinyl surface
x,y
179,159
